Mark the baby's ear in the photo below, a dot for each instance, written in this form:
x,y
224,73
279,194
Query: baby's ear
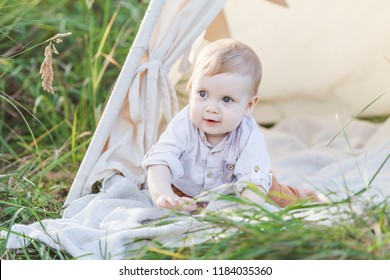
x,y
251,104
188,88
189,85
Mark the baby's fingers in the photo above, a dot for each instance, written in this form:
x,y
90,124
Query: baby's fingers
x,y
187,204
167,202
171,202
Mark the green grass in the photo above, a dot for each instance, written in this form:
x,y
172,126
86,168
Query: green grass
x,y
258,234
44,136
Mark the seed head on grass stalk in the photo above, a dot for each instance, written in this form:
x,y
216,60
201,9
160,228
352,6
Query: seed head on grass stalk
x,y
46,71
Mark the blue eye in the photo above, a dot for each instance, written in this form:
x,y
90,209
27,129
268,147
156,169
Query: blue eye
x,y
227,99
203,94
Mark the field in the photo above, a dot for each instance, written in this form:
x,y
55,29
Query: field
x,y
45,133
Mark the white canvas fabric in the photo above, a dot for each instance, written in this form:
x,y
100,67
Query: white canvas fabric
x,y
319,56
129,125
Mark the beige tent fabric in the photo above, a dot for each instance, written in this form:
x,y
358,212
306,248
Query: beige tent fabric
x,y
129,125
319,56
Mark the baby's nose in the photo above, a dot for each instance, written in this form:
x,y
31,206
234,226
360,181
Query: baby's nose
x,y
212,107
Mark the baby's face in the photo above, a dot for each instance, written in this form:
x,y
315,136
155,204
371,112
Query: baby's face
x,y
218,103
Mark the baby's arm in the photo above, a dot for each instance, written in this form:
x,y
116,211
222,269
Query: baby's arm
x,y
159,182
253,165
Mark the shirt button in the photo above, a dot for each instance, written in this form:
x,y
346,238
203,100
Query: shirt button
x,y
257,168
210,175
230,167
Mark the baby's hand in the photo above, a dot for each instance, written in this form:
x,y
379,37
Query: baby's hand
x,y
176,202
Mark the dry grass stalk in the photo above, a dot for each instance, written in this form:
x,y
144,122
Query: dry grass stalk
x,y
46,71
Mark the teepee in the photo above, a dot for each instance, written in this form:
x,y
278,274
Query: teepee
x,y
319,56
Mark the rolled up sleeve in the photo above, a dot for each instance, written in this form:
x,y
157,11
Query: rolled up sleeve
x,y
156,157
254,164
169,148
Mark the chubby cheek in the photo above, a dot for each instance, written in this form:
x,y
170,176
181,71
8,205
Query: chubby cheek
x,y
194,114
233,117
232,122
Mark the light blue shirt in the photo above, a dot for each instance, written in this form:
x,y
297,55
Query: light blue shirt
x,y
196,166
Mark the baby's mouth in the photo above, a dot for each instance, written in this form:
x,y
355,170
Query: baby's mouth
x,y
210,121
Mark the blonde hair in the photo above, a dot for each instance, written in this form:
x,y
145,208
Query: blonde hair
x,y
228,56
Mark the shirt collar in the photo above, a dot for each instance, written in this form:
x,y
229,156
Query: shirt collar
x,y
220,144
